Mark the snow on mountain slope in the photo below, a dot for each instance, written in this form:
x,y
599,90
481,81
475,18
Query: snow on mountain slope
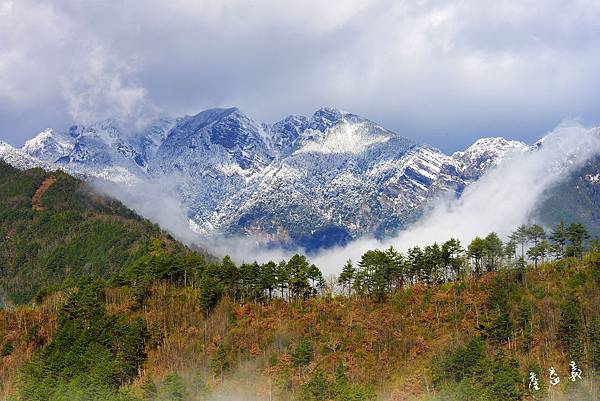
x,y
49,145
222,135
310,181
18,158
100,150
286,132
342,173
486,153
344,138
212,155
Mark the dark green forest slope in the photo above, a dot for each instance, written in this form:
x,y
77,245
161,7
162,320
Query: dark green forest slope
x,y
53,226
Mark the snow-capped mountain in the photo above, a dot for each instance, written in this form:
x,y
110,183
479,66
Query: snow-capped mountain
x,y
19,158
311,181
49,145
485,153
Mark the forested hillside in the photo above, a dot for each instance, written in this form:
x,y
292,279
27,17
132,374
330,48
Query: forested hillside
x,y
114,309
438,323
53,226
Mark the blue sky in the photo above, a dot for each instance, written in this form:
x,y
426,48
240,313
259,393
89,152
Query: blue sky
x,y
439,72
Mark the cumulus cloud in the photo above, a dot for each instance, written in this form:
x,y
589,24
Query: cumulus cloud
x,y
437,71
51,61
95,89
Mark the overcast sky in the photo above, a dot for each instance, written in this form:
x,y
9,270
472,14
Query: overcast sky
x,y
439,72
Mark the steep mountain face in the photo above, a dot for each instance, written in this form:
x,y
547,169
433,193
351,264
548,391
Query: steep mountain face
x,y
485,153
309,181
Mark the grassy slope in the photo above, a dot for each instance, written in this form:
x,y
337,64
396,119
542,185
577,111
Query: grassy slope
x,y
78,232
387,346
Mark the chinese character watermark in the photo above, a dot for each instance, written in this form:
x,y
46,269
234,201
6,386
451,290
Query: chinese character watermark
x,y
575,372
554,379
533,382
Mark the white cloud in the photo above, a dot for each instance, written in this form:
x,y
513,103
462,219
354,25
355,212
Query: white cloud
x,y
49,56
95,89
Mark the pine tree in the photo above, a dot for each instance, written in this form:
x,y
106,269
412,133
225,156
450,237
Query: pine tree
x,y
433,263
536,233
576,234
316,278
172,389
360,282
559,239
570,327
317,388
282,276
477,250
298,269
90,356
248,285
377,272
346,278
510,250
452,254
219,362
229,276
268,278
538,252
395,268
414,263
303,354
594,336
493,251
521,237
211,291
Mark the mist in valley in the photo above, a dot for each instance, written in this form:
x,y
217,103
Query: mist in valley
x,y
505,197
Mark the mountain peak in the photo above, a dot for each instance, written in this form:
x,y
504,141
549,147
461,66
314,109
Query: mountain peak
x,y
327,110
46,134
224,134
17,158
492,146
329,113
326,117
49,145
214,114
485,153
495,141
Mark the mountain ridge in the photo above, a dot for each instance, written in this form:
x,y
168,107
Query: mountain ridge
x,y
331,172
